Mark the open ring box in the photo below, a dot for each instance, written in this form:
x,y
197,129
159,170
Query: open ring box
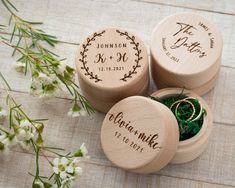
x,y
142,135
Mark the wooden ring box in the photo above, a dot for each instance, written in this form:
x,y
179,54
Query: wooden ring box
x,y
112,64
186,52
141,135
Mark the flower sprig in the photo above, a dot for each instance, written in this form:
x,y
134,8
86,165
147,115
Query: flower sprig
x,y
28,133
48,72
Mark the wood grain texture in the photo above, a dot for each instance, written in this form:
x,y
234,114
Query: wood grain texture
x,y
221,7
215,165
72,21
94,176
85,17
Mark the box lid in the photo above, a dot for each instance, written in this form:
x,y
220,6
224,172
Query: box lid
x,y
187,44
112,59
139,134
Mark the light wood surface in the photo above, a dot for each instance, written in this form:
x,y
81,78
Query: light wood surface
x,y
72,21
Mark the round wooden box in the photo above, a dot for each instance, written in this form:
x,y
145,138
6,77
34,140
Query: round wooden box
x,y
112,64
141,135
186,52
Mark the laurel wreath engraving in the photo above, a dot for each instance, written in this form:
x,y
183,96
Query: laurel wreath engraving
x,y
137,54
84,56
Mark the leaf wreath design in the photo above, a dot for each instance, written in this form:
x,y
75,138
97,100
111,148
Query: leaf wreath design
x,y
137,54
84,56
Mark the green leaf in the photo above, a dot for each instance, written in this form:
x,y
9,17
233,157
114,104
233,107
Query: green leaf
x,y
78,153
2,146
40,127
17,45
13,34
76,108
39,140
9,2
36,186
69,69
47,185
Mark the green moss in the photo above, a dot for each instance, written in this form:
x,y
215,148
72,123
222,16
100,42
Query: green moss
x,y
188,112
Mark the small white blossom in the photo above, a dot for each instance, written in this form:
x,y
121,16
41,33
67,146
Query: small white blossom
x,y
26,145
76,111
43,78
45,85
6,142
84,150
61,68
3,113
25,132
20,67
68,182
24,135
66,168
3,135
60,166
72,113
25,123
35,88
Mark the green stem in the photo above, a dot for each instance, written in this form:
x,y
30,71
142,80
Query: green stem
x,y
37,150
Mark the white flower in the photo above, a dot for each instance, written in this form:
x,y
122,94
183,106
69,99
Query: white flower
x,y
68,182
3,135
84,150
3,113
45,85
43,78
35,88
74,168
60,166
6,141
26,131
20,67
76,111
72,113
66,168
61,68
25,145
25,123
78,171
24,135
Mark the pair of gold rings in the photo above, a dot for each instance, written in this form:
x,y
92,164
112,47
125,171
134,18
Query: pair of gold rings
x,y
187,100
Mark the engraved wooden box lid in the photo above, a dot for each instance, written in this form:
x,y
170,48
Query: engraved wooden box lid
x,y
141,135
186,52
112,64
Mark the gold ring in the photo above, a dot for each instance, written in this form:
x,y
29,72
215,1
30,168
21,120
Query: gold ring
x,y
191,104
